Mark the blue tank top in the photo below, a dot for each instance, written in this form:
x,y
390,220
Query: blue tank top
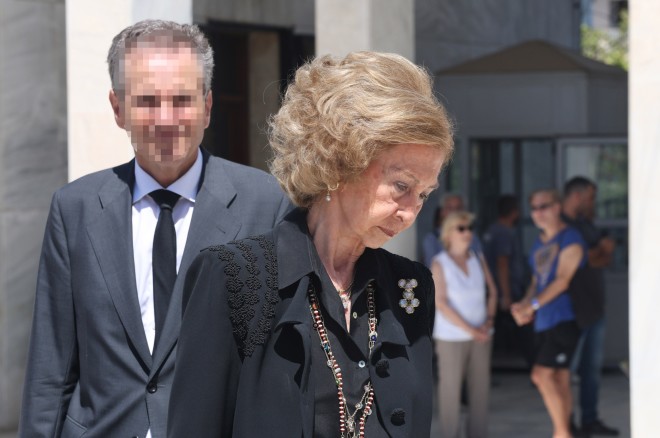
x,y
544,259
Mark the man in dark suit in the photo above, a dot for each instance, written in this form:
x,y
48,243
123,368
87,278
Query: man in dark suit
x,y
118,244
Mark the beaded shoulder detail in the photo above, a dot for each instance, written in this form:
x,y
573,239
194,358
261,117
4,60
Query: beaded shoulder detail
x,y
250,268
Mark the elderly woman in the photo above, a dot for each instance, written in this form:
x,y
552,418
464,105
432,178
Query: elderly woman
x,y
312,330
463,327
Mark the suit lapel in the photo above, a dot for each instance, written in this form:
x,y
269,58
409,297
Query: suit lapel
x,y
213,223
111,237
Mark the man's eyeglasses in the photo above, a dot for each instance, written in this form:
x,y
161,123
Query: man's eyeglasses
x,y
541,206
464,228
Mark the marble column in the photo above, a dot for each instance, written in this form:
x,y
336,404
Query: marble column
x,y
644,161
32,162
343,26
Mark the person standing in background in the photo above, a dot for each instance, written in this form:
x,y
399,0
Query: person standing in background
x,y
431,242
466,301
578,210
503,252
555,257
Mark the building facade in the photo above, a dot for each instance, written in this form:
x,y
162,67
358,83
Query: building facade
x,y
56,124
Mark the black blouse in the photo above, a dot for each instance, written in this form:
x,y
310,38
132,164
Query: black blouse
x,y
351,351
249,362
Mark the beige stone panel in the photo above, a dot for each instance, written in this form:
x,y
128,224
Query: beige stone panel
x,y
342,26
264,89
393,27
174,10
95,141
644,161
32,103
20,243
33,164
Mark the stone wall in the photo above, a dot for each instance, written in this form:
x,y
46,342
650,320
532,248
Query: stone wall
x,y
33,163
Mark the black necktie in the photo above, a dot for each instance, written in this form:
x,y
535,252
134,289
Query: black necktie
x,y
163,256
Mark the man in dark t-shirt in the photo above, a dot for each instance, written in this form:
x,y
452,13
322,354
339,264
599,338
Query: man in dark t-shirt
x,y
578,211
503,252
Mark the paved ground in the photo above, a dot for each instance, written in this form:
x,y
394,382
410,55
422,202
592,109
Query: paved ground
x,y
517,409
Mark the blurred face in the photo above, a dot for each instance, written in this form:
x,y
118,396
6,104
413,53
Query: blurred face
x,y
545,210
386,198
162,107
451,205
587,202
460,236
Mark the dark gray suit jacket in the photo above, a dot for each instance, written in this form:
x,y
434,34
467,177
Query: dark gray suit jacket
x,y
89,368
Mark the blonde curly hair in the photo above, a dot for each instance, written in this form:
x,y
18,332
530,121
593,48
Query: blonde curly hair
x,y
339,114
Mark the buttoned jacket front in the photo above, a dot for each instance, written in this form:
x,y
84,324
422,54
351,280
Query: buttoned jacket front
x,y
243,367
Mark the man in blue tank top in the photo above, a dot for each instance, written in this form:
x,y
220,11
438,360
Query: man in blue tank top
x,y
554,258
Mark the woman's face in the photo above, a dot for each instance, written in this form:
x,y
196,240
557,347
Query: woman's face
x,y
460,236
386,198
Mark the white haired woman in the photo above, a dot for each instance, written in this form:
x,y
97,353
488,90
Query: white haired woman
x,y
312,330
466,301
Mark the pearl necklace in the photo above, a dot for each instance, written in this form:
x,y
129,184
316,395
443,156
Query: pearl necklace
x,y
347,426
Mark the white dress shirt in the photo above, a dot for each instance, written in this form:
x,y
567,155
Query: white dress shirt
x,y
145,217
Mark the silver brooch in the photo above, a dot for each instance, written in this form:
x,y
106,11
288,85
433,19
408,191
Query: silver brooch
x,y
408,302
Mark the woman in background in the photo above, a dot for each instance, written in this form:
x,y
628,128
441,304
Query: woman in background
x,y
466,301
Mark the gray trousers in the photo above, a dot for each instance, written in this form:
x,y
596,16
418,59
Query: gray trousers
x,y
458,361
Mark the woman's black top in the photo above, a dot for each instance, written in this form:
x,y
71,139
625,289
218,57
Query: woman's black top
x,y
250,364
351,350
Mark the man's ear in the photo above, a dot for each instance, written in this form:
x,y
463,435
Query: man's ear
x,y
117,109
208,103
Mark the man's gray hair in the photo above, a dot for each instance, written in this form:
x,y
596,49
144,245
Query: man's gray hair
x,y
162,34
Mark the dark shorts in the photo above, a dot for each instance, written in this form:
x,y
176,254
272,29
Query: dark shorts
x,y
555,347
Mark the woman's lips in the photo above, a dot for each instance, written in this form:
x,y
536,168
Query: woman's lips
x,y
387,231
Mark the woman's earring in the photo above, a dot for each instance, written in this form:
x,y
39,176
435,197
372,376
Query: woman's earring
x,y
330,189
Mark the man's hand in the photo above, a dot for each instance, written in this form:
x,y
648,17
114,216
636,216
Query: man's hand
x,y
522,312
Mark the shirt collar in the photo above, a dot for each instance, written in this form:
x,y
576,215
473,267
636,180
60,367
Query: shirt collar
x,y
294,243
186,186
